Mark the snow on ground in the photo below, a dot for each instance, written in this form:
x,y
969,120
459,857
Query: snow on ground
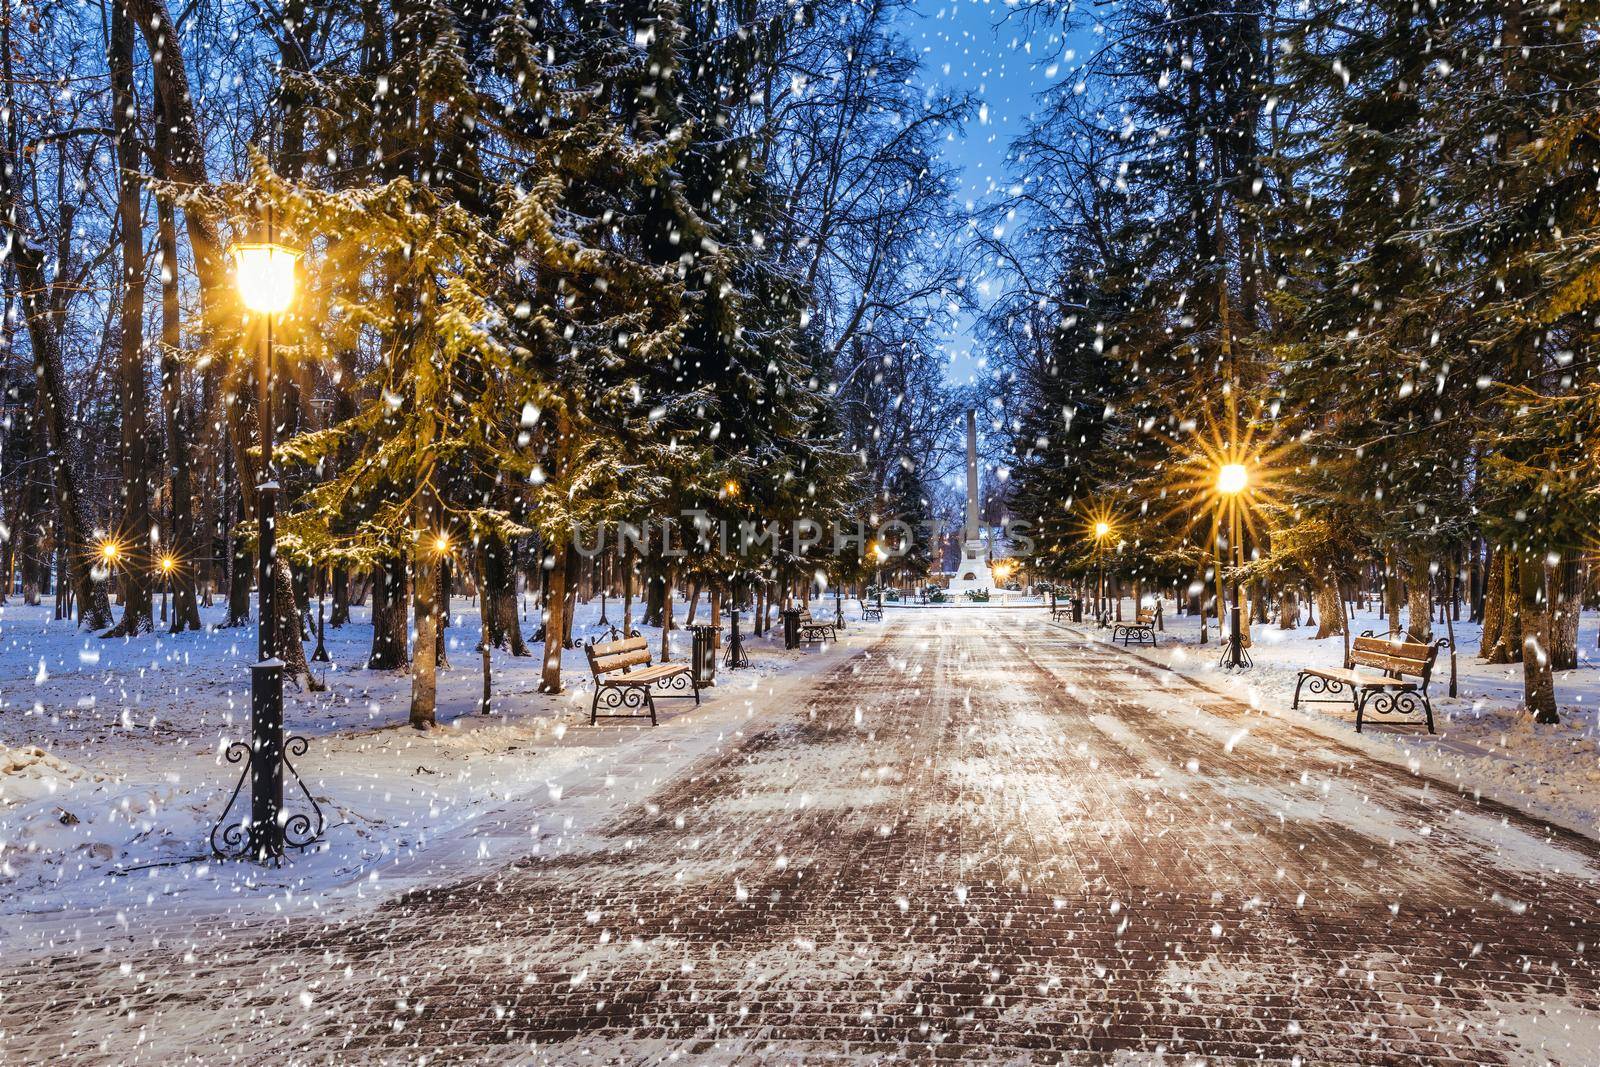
x,y
1485,743
112,770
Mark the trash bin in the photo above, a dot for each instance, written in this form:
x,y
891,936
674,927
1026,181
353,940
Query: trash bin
x,y
1077,609
791,628
735,656
703,659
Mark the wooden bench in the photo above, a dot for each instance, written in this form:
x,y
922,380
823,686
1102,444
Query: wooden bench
x,y
871,612
816,629
624,677
1142,629
1402,688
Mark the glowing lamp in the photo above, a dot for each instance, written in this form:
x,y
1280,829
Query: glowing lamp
x,y
265,274
109,551
1232,479
168,564
1102,528
441,544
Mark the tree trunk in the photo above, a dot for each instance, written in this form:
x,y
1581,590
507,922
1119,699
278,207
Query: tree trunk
x,y
1494,600
137,526
574,566
1475,584
68,467
446,575
554,627
425,645
180,446
389,617
1505,584
500,582
654,586
1288,609
1538,681
627,592
666,615
1331,605
1419,601
1566,604
291,648
239,571
1391,594
340,612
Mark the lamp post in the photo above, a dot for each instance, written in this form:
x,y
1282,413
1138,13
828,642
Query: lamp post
x,y
1232,478
878,551
266,287
168,565
1101,531
320,654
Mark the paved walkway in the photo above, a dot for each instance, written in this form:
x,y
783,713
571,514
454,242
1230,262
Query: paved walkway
x,y
980,840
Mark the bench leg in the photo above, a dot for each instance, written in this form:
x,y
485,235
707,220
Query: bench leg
x,y
696,686
1361,707
1428,709
594,705
651,700
1298,683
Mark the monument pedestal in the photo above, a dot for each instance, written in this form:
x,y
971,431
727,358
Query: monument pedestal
x,y
973,575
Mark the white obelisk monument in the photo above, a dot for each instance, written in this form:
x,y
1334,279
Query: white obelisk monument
x,y
973,574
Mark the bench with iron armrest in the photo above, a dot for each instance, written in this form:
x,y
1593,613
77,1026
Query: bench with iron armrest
x,y
1060,609
625,678
871,612
1402,688
1142,629
817,629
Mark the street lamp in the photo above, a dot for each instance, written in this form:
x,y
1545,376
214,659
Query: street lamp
x,y
110,553
1102,530
266,278
168,564
320,653
1232,480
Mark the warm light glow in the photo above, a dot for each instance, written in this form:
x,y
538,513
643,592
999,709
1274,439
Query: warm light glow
x,y
168,564
878,550
1232,479
1101,529
441,544
265,276
109,551
731,488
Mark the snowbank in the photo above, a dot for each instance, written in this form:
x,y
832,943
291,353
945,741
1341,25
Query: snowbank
x,y
1486,743
112,770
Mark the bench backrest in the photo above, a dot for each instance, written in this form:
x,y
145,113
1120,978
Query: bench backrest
x,y
1147,618
1397,656
618,655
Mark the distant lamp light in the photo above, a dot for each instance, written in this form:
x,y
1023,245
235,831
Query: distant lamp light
x,y
441,544
110,551
265,274
168,564
730,488
1101,529
1232,479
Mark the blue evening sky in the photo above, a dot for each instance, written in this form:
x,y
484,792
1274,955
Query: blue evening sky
x,y
984,47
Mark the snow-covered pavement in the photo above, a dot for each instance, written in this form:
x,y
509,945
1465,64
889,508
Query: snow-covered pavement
x,y
980,836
